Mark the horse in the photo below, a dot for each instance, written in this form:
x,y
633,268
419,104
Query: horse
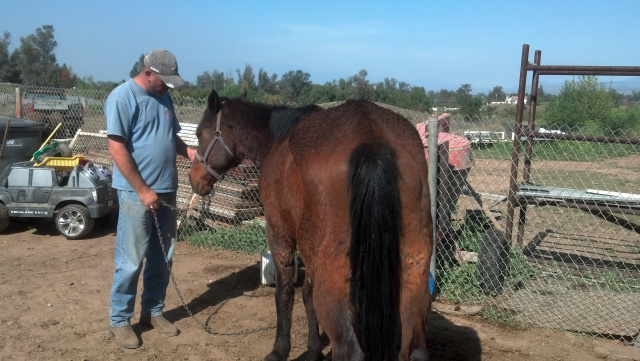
x,y
347,188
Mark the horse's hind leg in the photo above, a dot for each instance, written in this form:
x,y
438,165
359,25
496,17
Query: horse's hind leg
x,y
284,263
415,306
335,312
314,343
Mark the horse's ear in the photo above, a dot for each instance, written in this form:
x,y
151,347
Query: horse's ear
x,y
244,95
213,103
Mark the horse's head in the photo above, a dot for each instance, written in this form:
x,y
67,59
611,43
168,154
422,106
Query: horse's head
x,y
217,146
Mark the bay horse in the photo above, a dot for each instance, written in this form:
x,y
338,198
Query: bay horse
x,y
346,187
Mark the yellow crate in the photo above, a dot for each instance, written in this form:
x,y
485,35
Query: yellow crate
x,y
61,163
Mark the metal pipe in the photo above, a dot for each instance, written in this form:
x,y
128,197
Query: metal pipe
x,y
583,70
515,155
582,138
432,144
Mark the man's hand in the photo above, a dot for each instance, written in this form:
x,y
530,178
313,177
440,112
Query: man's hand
x,y
150,200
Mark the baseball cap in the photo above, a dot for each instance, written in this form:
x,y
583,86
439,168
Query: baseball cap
x,y
164,64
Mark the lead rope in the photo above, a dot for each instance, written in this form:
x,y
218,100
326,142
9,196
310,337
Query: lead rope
x,y
204,326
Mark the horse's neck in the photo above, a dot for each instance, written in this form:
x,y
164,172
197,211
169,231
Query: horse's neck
x,y
257,143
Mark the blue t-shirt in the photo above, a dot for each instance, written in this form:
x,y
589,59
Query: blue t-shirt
x,y
148,124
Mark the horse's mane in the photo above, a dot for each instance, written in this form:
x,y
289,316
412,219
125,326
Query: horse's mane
x,y
284,118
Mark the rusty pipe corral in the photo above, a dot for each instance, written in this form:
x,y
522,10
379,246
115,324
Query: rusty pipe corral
x,y
537,69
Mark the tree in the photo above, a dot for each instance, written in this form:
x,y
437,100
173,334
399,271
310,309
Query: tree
x,y
5,65
266,83
246,79
204,80
8,71
543,96
496,95
67,76
469,104
622,120
294,83
37,60
360,87
445,99
579,103
137,67
320,94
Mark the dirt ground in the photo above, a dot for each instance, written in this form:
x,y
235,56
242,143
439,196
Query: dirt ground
x,y
54,301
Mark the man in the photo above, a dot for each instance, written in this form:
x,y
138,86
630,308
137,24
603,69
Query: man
x,y
142,130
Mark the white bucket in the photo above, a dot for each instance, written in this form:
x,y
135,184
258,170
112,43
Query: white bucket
x,y
268,270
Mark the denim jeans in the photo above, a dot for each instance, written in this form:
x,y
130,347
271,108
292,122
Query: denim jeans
x,y
137,240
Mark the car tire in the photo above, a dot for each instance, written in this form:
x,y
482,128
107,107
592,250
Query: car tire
x,y
4,217
493,261
74,221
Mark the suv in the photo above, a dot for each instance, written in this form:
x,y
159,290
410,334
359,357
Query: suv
x,y
75,196
53,106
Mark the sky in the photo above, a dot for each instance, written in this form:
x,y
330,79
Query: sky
x,y
436,45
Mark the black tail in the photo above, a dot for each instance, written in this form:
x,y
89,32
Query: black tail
x,y
374,252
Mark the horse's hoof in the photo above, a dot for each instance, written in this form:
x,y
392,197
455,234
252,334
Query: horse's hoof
x,y
273,356
316,356
419,355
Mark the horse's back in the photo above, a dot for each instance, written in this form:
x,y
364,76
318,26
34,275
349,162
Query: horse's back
x,y
322,142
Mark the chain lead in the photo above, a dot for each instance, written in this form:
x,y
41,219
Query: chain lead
x,y
184,304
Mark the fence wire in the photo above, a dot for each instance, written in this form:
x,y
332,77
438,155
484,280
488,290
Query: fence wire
x,y
575,264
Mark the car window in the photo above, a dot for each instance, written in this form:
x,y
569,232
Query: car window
x,y
44,97
42,178
19,177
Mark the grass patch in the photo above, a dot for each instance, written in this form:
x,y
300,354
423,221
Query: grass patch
x,y
250,238
559,150
459,283
494,314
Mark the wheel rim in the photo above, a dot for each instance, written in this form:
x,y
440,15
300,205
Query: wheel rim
x,y
71,222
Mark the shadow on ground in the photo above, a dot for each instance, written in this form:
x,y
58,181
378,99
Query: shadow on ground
x,y
448,342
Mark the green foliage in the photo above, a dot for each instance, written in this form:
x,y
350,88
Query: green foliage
x,y
295,84
8,72
580,103
137,67
622,120
469,104
469,237
459,283
88,83
320,94
507,111
37,63
519,269
580,151
609,281
496,95
231,91
191,92
560,150
491,313
250,238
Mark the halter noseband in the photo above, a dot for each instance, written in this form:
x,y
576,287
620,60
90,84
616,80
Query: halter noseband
x,y
217,137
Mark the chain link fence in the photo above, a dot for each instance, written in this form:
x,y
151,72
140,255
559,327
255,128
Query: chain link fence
x,y
573,263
